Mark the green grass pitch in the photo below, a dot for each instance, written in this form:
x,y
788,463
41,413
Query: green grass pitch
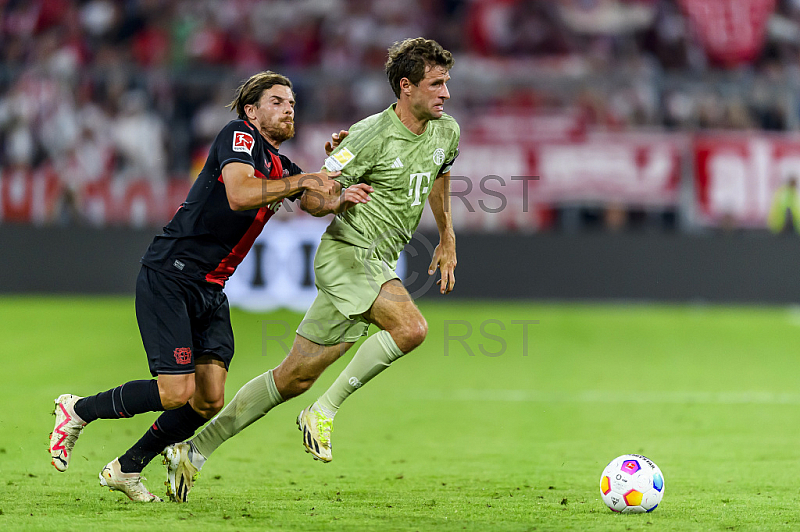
x,y
513,439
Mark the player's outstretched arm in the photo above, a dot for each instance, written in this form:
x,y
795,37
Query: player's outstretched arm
x,y
320,204
245,192
444,256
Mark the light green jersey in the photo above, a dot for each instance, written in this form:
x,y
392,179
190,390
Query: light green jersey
x,y
401,167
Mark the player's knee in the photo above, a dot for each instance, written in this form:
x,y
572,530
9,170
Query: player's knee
x,y
419,332
175,396
413,334
171,401
210,408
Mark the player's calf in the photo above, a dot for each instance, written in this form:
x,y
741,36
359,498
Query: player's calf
x,y
296,385
306,361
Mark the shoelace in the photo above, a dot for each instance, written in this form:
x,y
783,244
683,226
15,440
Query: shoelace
x,y
324,427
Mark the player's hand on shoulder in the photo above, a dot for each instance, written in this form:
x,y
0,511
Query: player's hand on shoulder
x,y
336,139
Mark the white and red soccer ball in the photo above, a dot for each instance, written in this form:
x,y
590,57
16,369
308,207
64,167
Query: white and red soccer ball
x,y
632,483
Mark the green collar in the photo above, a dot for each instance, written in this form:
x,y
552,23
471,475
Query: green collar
x,y
403,130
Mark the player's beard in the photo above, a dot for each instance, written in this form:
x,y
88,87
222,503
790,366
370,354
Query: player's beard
x,y
279,131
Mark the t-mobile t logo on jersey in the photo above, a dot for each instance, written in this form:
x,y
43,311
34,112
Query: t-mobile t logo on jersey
x,y
416,189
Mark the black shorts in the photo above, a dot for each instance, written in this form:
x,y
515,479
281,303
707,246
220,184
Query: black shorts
x,y
181,321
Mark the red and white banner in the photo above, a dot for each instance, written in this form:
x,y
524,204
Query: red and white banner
x,y
505,185
625,169
28,196
736,175
731,31
512,169
137,203
38,197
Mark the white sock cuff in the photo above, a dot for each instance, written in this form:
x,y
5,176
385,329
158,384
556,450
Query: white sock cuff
x,y
389,345
326,409
195,456
272,388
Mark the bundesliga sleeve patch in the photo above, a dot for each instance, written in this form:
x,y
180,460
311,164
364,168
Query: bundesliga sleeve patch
x,y
339,160
243,142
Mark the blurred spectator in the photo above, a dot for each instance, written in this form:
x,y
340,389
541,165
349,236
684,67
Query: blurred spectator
x,y
212,116
615,217
784,214
101,89
139,139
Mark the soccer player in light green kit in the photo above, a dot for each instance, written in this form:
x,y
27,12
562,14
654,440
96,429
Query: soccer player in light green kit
x,y
391,163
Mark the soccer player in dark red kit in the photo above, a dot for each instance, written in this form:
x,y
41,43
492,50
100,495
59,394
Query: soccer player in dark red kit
x,y
181,309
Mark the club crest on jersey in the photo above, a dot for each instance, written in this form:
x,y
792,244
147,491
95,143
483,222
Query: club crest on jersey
x,y
339,160
243,142
438,156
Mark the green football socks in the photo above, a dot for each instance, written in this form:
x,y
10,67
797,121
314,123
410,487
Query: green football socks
x,y
375,355
251,402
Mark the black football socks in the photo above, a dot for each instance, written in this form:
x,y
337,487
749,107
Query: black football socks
x,y
172,426
134,397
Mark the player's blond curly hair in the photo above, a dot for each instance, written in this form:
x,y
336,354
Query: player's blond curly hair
x,y
249,92
410,58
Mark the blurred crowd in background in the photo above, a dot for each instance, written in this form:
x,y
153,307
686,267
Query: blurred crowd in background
x,y
136,89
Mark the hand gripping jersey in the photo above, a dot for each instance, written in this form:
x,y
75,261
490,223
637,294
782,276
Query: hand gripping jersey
x,y
206,240
401,167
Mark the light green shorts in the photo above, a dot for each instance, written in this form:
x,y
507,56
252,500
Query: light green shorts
x,y
348,281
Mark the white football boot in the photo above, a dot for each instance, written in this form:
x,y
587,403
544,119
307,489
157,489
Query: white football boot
x,y
66,431
316,427
130,484
181,472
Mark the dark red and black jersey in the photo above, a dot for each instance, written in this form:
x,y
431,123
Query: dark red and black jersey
x,y
206,240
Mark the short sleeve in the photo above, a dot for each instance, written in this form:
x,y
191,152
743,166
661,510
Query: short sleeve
x,y
452,154
235,143
448,164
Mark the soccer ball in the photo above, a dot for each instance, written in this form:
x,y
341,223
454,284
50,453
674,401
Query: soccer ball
x,y
632,483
